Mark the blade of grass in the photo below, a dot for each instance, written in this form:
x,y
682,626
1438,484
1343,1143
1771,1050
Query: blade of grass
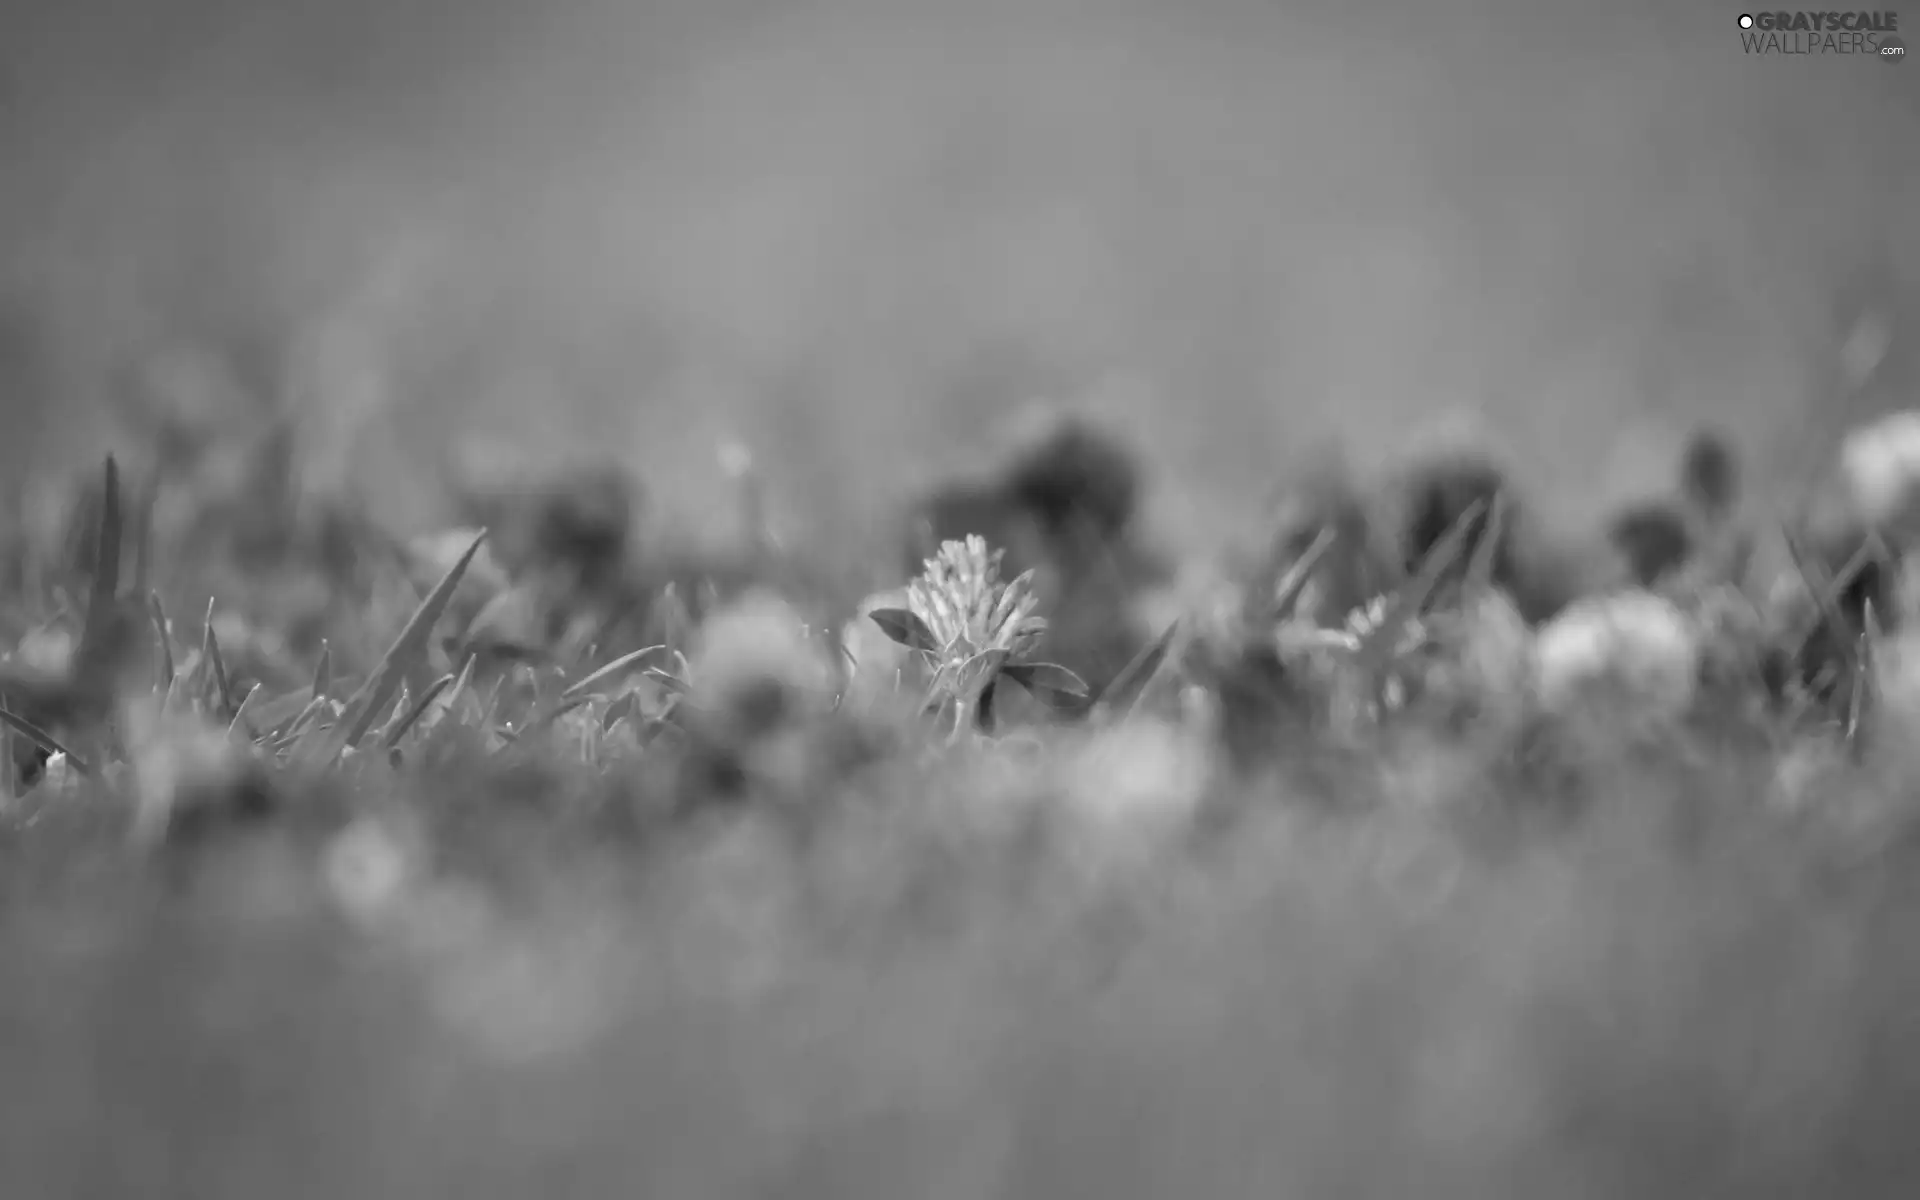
x,y
1822,590
1872,552
273,716
1287,591
462,688
241,726
305,716
1377,648
323,670
97,633
43,739
1863,692
608,671
402,704
1126,688
158,613
217,663
390,738
323,750
1486,550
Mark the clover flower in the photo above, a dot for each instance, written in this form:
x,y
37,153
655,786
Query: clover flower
x,y
1880,467
1640,646
976,624
972,628
969,612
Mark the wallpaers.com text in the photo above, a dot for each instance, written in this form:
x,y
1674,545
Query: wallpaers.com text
x,y
1867,33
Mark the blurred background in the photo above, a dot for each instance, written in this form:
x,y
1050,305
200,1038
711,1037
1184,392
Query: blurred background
x,y
855,232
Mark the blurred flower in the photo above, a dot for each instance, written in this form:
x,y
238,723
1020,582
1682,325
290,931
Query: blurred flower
x,y
1636,644
755,667
1879,467
369,868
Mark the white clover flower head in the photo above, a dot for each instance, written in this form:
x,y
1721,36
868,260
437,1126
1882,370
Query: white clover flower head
x,y
968,610
753,663
1880,467
1633,642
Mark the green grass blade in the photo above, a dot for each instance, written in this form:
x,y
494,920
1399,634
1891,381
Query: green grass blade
x,y
97,634
322,749
43,739
241,726
323,671
608,671
1378,647
1124,691
158,613
392,735
1286,592
217,663
1486,550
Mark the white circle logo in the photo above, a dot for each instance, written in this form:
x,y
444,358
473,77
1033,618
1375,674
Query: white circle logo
x,y
1746,21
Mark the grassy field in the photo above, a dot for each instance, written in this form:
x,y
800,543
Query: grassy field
x,y
318,901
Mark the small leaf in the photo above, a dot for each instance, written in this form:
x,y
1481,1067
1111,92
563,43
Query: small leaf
x,y
904,626
1053,685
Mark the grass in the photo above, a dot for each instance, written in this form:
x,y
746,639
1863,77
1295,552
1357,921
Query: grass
x,y
404,915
